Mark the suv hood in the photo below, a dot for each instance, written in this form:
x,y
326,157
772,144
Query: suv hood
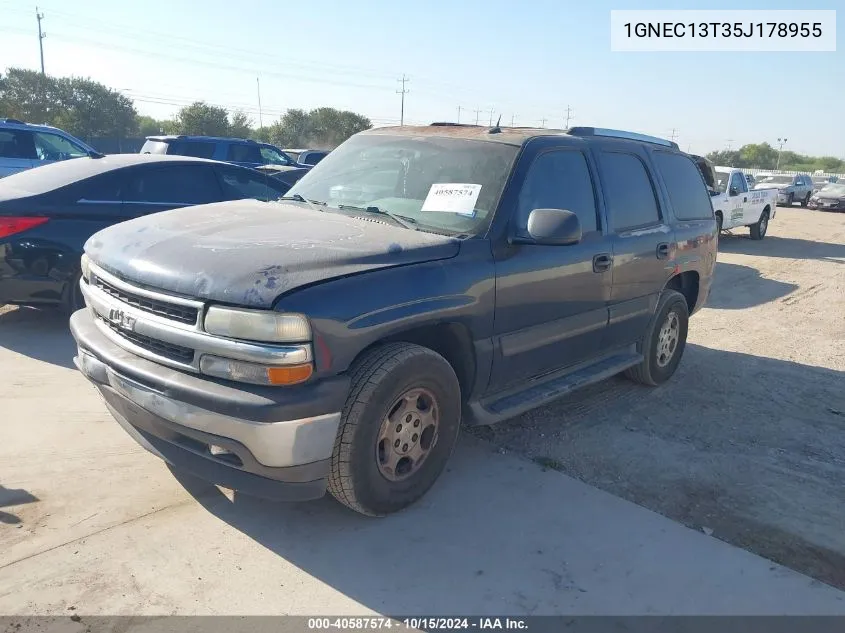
x,y
248,253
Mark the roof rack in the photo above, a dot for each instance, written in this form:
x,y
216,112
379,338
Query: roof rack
x,y
632,136
450,124
9,120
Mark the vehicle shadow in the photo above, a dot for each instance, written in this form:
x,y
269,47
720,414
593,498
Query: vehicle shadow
x,y
789,247
495,537
13,497
736,287
41,334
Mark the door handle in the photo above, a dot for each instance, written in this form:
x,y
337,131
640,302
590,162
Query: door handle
x,y
602,262
663,250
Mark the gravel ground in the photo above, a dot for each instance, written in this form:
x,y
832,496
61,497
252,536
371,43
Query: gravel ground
x,y
747,441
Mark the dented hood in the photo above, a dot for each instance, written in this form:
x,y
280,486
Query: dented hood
x,y
248,253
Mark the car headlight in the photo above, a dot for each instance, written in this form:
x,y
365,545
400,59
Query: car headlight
x,y
257,325
85,266
242,371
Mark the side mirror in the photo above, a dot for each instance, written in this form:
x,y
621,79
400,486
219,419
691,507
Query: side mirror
x,y
734,191
552,227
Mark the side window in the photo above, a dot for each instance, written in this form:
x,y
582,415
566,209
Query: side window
x,y
105,188
241,183
176,184
686,188
628,190
16,144
244,153
54,147
559,180
737,182
197,149
269,156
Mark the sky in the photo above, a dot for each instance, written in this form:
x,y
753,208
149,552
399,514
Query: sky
x,y
527,61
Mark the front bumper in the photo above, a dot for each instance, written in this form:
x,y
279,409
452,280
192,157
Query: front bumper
x,y
272,442
827,205
783,198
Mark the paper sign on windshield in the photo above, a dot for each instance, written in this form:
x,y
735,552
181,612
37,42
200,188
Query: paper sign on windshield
x,y
452,197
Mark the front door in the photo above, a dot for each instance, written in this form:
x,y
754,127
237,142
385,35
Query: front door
x,y
551,301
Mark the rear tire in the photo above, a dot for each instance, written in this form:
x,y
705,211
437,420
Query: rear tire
x,y
664,343
806,200
366,465
758,230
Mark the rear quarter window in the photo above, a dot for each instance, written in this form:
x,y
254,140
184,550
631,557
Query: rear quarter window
x,y
154,147
687,190
243,153
197,149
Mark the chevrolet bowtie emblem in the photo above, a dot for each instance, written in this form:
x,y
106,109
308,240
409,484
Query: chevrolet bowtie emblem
x,y
121,319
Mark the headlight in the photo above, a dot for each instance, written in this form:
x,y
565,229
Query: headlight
x,y
254,373
85,266
257,325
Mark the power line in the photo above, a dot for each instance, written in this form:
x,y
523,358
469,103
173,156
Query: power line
x,y
41,36
402,92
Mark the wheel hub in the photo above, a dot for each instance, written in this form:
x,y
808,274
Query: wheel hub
x,y
407,434
667,339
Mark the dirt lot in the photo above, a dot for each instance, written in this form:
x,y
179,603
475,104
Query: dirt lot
x,y
748,439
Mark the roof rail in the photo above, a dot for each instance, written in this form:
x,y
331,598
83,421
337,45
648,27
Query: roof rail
x,y
633,136
10,120
450,124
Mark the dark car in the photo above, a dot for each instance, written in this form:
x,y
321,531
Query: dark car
x,y
829,198
46,214
417,277
307,156
238,151
287,176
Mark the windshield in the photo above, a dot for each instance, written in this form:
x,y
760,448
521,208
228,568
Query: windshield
x,y
833,191
446,185
777,180
722,179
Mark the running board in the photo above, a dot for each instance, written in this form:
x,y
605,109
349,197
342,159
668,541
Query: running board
x,y
543,390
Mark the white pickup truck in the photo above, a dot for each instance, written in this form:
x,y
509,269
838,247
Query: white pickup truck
x,y
735,206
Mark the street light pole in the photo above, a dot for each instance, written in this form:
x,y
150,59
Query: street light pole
x,y
781,142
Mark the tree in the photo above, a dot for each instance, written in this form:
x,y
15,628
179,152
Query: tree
x,y
148,126
725,158
240,125
761,156
323,128
83,107
202,119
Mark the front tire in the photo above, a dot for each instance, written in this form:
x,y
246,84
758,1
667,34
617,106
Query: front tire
x,y
664,343
806,200
758,230
398,428
719,222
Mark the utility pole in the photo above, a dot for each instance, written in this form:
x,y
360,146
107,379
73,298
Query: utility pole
x,y
258,87
674,135
491,117
781,143
513,116
730,143
459,114
568,117
41,36
402,92
477,112
542,122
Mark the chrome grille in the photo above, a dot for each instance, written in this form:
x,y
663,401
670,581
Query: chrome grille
x,y
161,348
182,314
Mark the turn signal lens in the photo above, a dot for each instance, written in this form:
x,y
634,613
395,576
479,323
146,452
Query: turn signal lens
x,y
289,375
11,225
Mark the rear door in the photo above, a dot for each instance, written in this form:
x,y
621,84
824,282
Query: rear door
x,y
152,188
17,151
551,301
244,154
643,242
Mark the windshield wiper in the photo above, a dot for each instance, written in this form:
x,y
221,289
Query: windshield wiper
x,y
402,220
311,203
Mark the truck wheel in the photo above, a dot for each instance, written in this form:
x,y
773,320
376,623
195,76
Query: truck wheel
x,y
790,199
806,200
758,230
719,223
398,429
663,345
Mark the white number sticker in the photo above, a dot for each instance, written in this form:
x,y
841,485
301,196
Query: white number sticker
x,y
452,197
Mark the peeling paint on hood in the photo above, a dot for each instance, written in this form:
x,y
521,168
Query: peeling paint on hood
x,y
248,253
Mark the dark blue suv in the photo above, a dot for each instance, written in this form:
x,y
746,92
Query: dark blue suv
x,y
239,151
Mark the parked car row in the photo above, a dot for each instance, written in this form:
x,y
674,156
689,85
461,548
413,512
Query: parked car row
x,y
24,146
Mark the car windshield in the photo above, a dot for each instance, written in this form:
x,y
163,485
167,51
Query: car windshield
x,y
446,185
722,179
777,180
833,191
